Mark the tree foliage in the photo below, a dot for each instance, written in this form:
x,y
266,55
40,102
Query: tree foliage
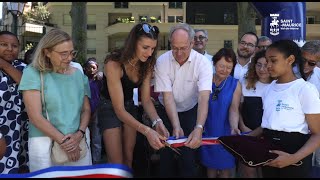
x,y
246,18
38,14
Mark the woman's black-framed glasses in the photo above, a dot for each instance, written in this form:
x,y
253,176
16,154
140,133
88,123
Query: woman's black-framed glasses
x,y
216,92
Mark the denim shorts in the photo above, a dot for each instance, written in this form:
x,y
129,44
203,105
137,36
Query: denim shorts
x,y
108,119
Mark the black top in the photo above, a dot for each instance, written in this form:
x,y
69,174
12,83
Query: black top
x,y
252,110
127,86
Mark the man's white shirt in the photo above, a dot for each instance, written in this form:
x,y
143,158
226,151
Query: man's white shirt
x,y
184,81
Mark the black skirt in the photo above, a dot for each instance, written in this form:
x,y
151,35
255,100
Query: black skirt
x,y
252,110
289,142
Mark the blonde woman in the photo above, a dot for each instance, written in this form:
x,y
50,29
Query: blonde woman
x,y
66,94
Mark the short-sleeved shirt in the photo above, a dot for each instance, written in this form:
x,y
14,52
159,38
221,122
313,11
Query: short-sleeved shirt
x,y
253,92
63,94
240,71
285,106
209,57
252,107
315,78
186,81
76,65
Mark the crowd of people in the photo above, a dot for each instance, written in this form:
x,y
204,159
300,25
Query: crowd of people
x,y
266,89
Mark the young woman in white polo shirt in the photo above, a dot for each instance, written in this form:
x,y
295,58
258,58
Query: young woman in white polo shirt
x,y
291,114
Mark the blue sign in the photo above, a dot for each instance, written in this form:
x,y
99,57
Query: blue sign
x,y
283,20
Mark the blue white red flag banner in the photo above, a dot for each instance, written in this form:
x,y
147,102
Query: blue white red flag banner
x,y
92,171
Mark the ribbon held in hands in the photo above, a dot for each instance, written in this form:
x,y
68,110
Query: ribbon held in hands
x,y
206,140
176,150
175,143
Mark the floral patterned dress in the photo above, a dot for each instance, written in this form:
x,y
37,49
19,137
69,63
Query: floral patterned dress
x,y
13,123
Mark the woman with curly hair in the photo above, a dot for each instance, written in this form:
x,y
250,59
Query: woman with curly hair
x,y
257,78
125,69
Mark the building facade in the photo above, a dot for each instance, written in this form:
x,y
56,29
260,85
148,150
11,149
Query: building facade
x,y
110,22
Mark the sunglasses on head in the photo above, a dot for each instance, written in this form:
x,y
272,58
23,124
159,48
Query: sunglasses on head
x,y
310,63
148,28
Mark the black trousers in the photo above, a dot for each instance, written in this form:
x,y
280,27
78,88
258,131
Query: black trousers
x,y
290,143
171,164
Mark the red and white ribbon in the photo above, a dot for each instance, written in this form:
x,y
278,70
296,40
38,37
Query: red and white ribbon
x,y
180,142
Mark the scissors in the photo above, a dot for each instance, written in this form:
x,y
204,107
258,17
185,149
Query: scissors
x,y
176,150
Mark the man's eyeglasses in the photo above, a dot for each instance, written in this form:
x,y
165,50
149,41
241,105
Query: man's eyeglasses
x,y
200,38
310,62
183,49
262,47
65,54
243,44
216,92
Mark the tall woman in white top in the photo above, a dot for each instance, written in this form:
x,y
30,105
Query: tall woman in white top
x,y
291,114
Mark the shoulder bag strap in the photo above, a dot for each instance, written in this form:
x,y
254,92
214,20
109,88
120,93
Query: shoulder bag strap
x,y
42,95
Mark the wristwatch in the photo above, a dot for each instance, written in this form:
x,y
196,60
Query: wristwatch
x,y
154,123
199,126
83,133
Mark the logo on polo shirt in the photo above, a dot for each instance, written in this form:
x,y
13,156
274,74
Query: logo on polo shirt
x,y
283,106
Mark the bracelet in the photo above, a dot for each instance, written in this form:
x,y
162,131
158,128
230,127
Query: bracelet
x,y
154,123
83,133
199,126
146,132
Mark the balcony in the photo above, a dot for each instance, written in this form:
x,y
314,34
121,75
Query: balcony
x,y
33,28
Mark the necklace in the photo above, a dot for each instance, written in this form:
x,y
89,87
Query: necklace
x,y
217,90
132,64
62,71
214,80
66,70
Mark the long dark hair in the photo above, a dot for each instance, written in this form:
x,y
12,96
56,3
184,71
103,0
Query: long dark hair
x,y
128,51
287,48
